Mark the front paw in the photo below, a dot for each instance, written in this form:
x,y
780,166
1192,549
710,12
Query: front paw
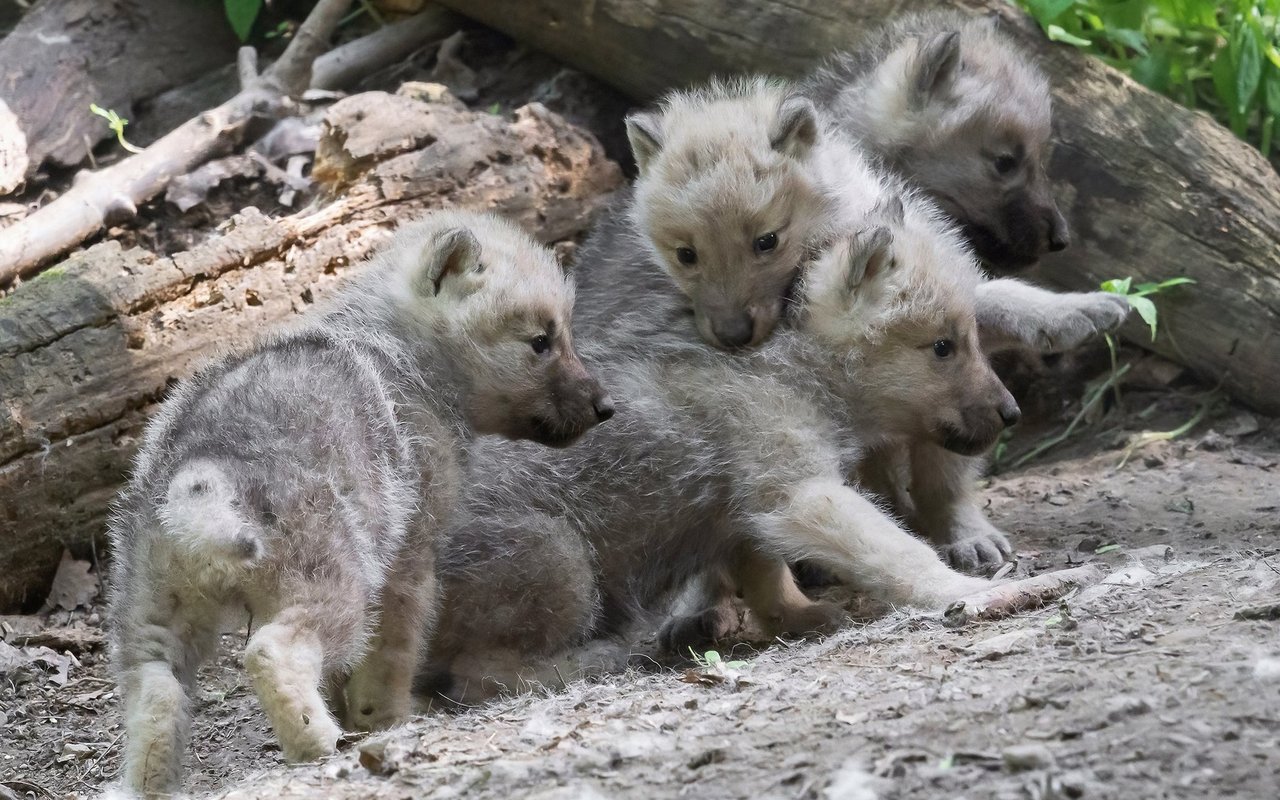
x,y
682,633
979,553
1086,316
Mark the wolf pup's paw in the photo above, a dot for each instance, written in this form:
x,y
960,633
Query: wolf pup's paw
x,y
1080,318
978,553
706,627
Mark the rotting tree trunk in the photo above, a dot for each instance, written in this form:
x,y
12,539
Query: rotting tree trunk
x,y
1152,189
66,54
89,346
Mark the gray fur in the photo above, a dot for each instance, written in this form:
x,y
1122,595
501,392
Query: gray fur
x,y
306,480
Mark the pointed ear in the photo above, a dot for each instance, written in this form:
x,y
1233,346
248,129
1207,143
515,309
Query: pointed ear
x,y
934,66
644,132
796,129
451,253
870,255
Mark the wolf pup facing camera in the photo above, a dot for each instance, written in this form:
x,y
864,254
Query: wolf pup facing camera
x,y
306,479
955,106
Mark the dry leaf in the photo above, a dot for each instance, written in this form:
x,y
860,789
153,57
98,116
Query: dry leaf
x,y
73,585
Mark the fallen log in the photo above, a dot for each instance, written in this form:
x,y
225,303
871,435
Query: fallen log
x,y
1152,189
89,346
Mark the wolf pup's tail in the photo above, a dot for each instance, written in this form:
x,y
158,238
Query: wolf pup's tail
x,y
202,512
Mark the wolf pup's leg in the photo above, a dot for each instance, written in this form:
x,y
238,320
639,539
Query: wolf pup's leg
x,y
379,691
155,686
1012,314
946,509
286,661
827,521
770,591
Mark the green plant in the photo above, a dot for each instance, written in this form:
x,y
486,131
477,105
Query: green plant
x,y
1138,300
116,123
242,14
1221,56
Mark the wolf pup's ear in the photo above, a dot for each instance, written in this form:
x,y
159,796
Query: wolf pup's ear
x,y
796,127
644,132
452,253
870,254
934,66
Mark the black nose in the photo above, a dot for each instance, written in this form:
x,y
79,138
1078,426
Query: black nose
x,y
604,408
735,331
1010,414
1059,235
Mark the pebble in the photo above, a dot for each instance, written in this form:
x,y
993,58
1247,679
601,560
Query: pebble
x,y
1023,757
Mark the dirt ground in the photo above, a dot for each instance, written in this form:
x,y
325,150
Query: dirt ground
x,y
1163,681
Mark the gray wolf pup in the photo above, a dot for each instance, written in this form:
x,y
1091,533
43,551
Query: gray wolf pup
x,y
954,105
306,480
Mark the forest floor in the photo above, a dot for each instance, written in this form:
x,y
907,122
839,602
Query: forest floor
x,y
1162,681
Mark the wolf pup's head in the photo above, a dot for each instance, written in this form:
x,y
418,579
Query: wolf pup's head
x,y
724,201
965,115
894,302
500,307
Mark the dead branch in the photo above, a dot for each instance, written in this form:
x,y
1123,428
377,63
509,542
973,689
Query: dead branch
x,y
114,193
1007,599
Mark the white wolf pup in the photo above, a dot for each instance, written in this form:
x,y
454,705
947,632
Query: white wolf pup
x,y
306,479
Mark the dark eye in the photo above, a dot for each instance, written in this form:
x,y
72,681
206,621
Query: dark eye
x,y
687,256
540,344
766,243
943,348
1006,164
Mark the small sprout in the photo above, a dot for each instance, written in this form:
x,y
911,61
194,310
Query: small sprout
x,y
116,123
1137,296
1106,548
947,762
495,109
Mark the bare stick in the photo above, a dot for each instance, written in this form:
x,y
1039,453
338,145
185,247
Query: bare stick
x,y
1011,598
343,65
117,191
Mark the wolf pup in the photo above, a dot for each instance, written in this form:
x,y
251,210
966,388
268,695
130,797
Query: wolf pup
x,y
732,197
722,454
306,479
953,104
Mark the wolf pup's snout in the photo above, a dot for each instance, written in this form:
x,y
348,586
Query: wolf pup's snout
x,y
1010,413
733,330
1059,233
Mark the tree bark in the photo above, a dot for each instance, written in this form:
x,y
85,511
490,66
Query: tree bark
x,y
89,347
66,54
1152,189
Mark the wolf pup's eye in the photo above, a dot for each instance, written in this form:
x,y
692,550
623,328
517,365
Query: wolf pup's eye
x,y
687,256
1006,164
943,348
540,344
764,244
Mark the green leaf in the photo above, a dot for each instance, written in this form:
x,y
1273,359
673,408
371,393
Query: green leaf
x,y
1125,37
1271,92
1046,11
241,14
712,658
1146,309
1106,548
1144,289
1248,71
1057,34
1117,286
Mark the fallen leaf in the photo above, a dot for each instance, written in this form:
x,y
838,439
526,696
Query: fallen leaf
x,y
73,584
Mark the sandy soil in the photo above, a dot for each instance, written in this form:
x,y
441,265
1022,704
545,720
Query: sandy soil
x,y
1148,685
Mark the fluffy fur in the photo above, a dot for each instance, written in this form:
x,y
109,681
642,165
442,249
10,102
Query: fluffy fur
x,y
306,481
716,456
